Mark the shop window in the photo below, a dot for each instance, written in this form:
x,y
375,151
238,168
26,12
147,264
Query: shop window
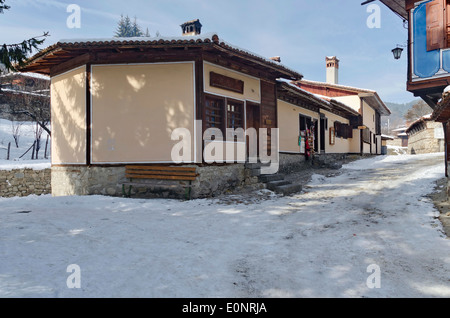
x,y
222,113
235,114
214,113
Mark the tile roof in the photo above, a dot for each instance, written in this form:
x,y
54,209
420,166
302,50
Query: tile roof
x,y
69,48
324,102
373,99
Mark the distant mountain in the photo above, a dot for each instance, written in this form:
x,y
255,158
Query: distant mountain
x,y
396,119
399,110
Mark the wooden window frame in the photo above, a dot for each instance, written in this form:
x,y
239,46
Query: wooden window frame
x,y
437,24
343,130
239,109
217,124
224,115
234,107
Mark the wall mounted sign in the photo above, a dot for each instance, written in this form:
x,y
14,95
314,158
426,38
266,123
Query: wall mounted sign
x,y
225,82
332,136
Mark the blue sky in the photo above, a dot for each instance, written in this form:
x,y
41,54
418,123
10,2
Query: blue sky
x,y
302,32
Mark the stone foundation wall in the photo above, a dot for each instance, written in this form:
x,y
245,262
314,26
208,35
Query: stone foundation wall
x,y
212,181
83,180
397,142
424,141
24,182
292,162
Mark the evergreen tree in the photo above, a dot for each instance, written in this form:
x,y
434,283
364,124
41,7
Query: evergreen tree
x,y
3,6
126,28
147,33
12,54
136,29
123,27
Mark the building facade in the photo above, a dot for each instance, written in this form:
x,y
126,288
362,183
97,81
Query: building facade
x,y
425,136
121,102
366,128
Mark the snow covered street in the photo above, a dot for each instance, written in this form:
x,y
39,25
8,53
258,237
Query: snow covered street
x,y
324,242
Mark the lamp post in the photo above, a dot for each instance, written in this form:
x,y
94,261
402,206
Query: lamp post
x,y
397,52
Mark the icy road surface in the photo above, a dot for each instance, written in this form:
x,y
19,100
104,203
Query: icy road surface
x,y
369,232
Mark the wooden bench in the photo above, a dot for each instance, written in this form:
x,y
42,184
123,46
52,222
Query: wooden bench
x,y
138,175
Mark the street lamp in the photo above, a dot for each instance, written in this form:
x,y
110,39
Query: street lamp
x,y
397,52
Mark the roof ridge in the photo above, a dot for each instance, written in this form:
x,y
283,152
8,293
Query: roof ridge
x,y
338,85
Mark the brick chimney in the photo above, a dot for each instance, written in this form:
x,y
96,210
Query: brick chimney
x,y
332,69
276,59
193,27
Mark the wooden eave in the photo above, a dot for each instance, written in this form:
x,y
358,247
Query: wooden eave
x,y
63,52
429,86
376,103
372,97
299,98
343,110
417,125
398,7
442,111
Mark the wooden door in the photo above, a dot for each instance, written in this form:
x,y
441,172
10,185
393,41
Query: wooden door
x,y
252,115
323,129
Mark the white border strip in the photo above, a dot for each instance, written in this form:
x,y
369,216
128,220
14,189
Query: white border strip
x,y
236,72
194,118
84,163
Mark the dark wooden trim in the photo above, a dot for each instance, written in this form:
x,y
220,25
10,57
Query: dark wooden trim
x,y
70,65
410,49
438,83
410,4
225,82
126,57
361,131
88,115
199,83
143,57
237,66
276,109
199,107
297,102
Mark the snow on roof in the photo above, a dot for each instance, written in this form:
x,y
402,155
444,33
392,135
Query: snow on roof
x,y
324,99
303,90
400,129
208,38
235,47
387,137
337,86
419,120
203,37
137,39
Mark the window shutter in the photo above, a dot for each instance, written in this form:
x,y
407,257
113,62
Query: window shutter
x,y
436,26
